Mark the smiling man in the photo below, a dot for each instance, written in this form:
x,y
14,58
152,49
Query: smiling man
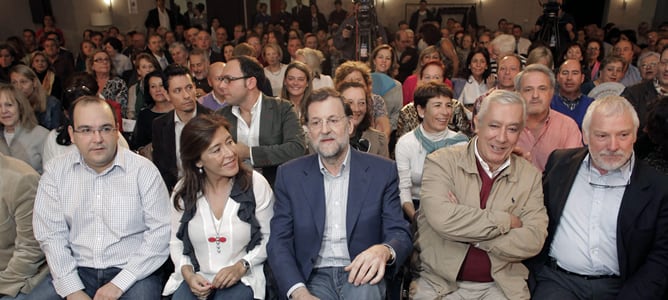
x,y
481,211
101,215
608,234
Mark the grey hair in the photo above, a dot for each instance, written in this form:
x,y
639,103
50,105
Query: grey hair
x,y
502,97
648,54
531,69
609,106
314,59
504,44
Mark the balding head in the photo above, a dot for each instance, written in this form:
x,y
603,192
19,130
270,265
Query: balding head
x,y
215,78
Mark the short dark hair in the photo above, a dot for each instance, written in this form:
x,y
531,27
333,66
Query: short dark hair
x,y
429,90
96,33
321,95
250,67
78,85
114,42
173,70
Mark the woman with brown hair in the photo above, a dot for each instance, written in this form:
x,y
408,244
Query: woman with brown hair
x,y
110,86
297,84
220,220
51,83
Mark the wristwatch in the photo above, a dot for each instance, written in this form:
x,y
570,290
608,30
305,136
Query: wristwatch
x,y
245,264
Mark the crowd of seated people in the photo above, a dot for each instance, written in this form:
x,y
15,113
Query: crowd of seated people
x,y
433,139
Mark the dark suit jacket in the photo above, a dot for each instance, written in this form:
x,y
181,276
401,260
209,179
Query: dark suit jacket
x,y
407,68
642,224
153,20
281,136
642,96
164,146
373,215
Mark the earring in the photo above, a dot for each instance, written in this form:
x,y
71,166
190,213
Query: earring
x,y
200,170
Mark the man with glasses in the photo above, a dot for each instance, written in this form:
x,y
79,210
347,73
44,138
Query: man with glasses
x,y
608,230
338,228
266,129
101,215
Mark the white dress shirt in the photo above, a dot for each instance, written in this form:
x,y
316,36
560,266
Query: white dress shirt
x,y
117,218
249,134
585,241
178,128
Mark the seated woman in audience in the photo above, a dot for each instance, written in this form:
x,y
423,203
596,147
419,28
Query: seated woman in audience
x,y
220,220
573,51
111,87
427,55
49,25
155,98
657,130
7,61
228,49
314,59
275,70
434,105
611,70
541,55
383,64
86,49
408,116
360,72
476,74
144,63
58,141
21,137
48,110
594,54
297,85
121,63
51,83
364,138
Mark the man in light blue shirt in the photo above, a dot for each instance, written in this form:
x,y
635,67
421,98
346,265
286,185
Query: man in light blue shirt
x,y
101,215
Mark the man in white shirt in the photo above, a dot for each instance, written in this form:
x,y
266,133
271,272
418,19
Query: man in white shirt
x,y
101,215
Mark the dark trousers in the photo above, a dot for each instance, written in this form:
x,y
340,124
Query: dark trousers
x,y
552,283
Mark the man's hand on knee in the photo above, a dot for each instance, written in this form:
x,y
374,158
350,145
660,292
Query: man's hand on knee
x,y
369,266
108,291
303,293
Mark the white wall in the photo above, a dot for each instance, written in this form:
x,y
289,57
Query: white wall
x,y
630,16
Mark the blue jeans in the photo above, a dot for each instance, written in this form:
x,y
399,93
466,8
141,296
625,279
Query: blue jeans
x,y
19,296
148,288
238,291
332,283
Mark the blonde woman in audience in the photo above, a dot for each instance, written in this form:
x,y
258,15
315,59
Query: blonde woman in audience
x,y
275,70
48,110
297,85
51,83
20,136
314,58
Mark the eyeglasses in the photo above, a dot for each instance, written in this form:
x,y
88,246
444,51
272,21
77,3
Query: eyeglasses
x,y
333,121
101,60
106,130
228,79
649,65
605,186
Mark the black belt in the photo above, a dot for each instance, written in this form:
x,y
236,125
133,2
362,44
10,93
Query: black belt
x,y
553,264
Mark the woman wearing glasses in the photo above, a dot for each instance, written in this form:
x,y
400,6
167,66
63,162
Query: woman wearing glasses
x,y
220,220
434,104
364,138
110,86
21,137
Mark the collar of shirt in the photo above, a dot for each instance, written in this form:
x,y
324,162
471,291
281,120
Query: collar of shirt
x,y
345,163
213,95
571,104
659,89
257,107
485,166
119,160
624,171
177,120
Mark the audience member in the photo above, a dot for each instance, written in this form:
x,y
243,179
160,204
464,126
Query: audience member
x,y
364,138
110,86
47,109
157,104
214,100
51,83
569,100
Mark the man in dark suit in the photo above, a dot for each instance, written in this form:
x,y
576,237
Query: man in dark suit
x,y
167,128
160,17
266,129
338,228
608,229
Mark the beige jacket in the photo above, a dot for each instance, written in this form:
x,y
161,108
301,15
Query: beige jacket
x,y
446,230
22,263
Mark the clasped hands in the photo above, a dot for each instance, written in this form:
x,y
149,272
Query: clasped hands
x,y
226,277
